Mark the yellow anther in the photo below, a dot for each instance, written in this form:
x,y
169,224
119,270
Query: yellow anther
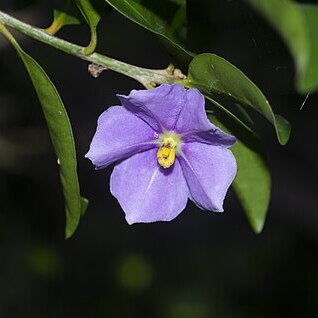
x,y
166,156
169,145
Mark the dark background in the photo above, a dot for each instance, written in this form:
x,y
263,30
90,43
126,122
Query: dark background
x,y
199,265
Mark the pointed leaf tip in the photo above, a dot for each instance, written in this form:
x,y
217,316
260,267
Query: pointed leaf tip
x,y
215,76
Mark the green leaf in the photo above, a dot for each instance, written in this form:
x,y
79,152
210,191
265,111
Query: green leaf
x,y
178,24
309,80
166,18
67,19
92,18
252,183
215,76
244,120
61,19
297,24
61,136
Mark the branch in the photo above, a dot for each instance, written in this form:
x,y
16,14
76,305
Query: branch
x,y
147,77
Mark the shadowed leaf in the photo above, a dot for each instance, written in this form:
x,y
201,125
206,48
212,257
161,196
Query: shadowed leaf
x,y
166,18
61,135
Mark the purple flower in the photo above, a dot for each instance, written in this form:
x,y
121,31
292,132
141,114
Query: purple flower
x,y
167,151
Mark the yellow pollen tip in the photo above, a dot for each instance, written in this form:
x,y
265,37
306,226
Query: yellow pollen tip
x,y
166,156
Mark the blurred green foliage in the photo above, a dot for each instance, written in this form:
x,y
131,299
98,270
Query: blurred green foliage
x,y
134,273
298,26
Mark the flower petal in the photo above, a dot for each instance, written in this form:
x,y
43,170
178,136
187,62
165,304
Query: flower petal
x,y
119,134
192,116
159,107
215,137
193,120
172,107
209,171
146,192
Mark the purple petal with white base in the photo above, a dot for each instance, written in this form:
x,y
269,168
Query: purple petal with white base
x,y
119,134
209,171
146,192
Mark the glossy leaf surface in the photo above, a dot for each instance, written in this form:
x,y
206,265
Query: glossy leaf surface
x,y
214,76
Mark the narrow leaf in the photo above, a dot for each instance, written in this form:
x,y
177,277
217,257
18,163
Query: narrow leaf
x,y
165,18
61,135
215,76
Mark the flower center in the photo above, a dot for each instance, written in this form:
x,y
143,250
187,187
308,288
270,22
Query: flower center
x,y
169,145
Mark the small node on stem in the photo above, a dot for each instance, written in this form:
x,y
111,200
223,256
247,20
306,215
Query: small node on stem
x,y
177,73
95,70
170,69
